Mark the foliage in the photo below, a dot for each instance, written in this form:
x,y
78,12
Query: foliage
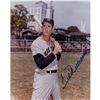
x,y
17,23
72,29
18,18
60,37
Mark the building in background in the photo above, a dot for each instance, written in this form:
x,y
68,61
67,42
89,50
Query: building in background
x,y
50,11
41,10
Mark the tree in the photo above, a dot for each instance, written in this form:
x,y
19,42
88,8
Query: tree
x,y
21,11
72,29
18,18
17,23
60,37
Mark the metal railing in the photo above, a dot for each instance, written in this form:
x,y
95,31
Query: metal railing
x,y
23,45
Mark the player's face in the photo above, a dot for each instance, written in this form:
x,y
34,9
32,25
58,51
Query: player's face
x,y
47,29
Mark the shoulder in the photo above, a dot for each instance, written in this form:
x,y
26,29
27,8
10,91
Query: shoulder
x,y
36,42
36,46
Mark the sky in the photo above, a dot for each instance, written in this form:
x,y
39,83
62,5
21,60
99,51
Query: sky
x,y
67,13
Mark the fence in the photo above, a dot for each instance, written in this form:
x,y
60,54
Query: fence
x,y
23,45
20,45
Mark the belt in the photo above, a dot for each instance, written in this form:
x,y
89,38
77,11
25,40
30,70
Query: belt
x,y
52,71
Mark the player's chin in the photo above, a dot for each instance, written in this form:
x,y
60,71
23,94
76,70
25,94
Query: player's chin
x,y
47,34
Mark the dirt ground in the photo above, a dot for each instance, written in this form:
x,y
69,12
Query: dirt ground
x,y
22,73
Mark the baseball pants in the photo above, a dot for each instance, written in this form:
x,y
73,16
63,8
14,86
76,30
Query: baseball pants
x,y
44,85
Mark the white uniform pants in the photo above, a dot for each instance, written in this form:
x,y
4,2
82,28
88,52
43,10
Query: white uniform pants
x,y
44,85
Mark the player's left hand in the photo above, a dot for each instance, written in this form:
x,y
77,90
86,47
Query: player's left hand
x,y
55,44
58,46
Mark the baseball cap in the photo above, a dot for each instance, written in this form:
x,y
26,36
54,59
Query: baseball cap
x,y
51,21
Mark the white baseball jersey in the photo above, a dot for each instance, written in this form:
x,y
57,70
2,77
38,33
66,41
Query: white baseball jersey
x,y
44,84
41,46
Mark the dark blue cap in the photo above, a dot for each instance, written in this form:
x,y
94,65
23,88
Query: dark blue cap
x,y
50,21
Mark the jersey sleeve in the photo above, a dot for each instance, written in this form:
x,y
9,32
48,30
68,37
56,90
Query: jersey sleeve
x,y
42,61
35,48
58,55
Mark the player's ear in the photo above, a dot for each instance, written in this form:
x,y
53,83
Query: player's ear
x,y
52,29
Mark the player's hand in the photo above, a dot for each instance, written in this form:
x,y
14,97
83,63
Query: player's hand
x,y
57,48
57,45
52,42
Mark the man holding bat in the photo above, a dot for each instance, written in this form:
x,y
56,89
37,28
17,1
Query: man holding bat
x,y
46,53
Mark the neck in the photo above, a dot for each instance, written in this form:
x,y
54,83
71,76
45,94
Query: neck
x,y
46,38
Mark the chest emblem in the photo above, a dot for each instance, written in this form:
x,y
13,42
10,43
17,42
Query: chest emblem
x,y
47,51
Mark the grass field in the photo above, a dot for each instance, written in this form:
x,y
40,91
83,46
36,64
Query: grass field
x,y
22,73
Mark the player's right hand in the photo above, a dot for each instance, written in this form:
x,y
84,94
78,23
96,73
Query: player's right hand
x,y
58,46
57,49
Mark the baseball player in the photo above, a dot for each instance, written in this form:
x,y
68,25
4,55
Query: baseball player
x,y
46,53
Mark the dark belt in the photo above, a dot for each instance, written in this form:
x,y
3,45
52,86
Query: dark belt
x,y
52,71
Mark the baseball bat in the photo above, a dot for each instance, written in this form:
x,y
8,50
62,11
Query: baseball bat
x,y
38,21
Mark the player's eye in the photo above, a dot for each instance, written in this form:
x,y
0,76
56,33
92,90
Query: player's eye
x,y
48,26
44,25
